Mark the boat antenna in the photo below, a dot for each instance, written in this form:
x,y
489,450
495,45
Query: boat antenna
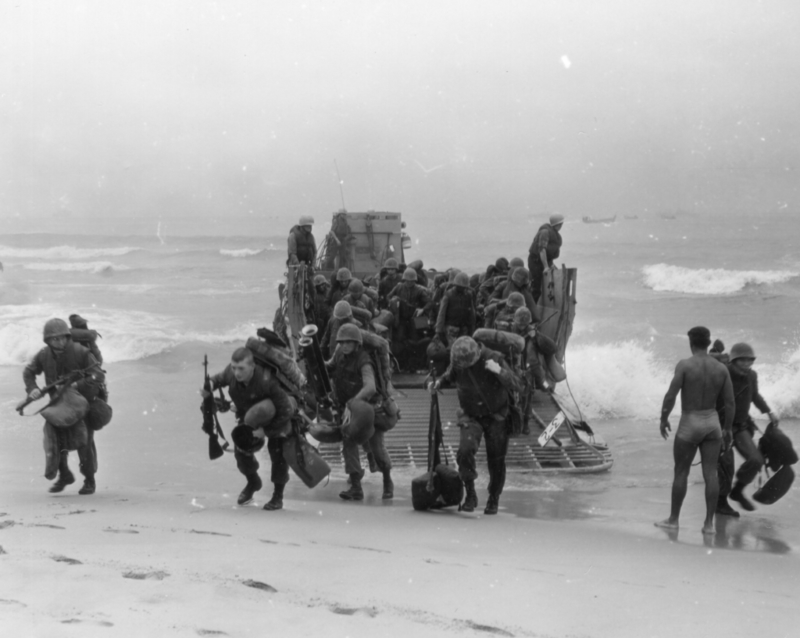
x,y
341,190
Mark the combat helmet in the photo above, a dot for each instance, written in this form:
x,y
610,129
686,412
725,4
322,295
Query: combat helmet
x,y
349,332
522,317
55,328
742,351
501,264
465,352
409,274
306,220
343,275
391,263
521,276
356,288
515,300
342,310
515,262
461,279
320,280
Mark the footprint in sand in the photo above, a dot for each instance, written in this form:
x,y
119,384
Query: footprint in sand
x,y
46,525
9,601
5,524
120,531
200,531
487,628
352,611
75,621
145,575
67,560
255,584
2,551
210,632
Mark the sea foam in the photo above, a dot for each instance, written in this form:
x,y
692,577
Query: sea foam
x,y
709,281
64,252
241,252
126,336
76,266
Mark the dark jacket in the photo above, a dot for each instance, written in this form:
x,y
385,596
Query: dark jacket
x,y
457,309
262,385
74,357
302,246
347,374
482,393
547,239
745,392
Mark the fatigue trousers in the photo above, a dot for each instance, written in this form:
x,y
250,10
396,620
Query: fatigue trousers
x,y
87,453
496,434
405,332
753,462
377,445
279,473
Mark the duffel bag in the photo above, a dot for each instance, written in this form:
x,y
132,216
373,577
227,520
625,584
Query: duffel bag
x,y
305,461
776,487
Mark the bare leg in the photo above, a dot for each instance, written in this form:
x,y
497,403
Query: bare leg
x,y
683,452
709,455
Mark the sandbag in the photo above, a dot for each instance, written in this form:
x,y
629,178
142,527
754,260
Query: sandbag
x,y
269,355
507,343
448,489
99,415
776,448
776,487
69,407
386,415
360,424
305,461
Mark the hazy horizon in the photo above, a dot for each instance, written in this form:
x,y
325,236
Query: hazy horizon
x,y
227,117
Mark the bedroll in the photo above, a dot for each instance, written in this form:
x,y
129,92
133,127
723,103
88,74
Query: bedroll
x,y
273,357
776,448
99,414
69,407
507,343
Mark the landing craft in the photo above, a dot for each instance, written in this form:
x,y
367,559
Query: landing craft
x,y
362,242
604,220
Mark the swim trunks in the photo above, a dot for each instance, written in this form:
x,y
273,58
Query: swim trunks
x,y
699,426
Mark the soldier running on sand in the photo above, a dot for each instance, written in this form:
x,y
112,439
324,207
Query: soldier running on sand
x,y
703,382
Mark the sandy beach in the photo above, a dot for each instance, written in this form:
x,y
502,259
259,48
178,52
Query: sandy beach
x,y
163,549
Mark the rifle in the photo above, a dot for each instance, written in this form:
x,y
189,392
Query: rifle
x,y
435,435
67,379
210,421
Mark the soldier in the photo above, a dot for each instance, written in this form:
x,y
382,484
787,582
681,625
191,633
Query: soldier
x,y
60,357
263,410
518,281
530,363
353,377
457,311
407,301
500,315
419,268
483,381
546,247
302,246
339,286
322,311
343,313
388,281
357,297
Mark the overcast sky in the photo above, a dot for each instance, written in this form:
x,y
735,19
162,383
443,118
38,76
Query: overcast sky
x,y
231,114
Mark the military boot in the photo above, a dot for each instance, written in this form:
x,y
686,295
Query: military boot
x,y
492,504
89,486
276,502
471,499
736,495
388,486
724,508
65,477
253,485
354,493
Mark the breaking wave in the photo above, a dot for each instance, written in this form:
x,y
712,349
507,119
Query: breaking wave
x,y
242,252
709,281
127,335
64,252
77,266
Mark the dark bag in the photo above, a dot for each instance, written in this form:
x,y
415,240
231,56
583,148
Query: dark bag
x,y
99,414
306,462
776,448
448,489
515,420
778,484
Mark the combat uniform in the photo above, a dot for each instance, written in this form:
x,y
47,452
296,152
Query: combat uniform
x,y
549,240
302,247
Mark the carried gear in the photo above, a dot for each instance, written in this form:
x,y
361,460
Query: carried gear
x,y
355,491
304,460
99,414
342,310
278,359
776,487
391,264
69,407
260,415
742,351
556,219
244,439
356,288
320,280
409,274
776,448
55,328
521,277
76,321
465,352
507,343
515,300
343,275
360,428
461,279
306,220
349,332
522,317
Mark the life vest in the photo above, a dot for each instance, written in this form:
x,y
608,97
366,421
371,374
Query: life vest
x,y
480,392
459,307
554,240
346,377
306,246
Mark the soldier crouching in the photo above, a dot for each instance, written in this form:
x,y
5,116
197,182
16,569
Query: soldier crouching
x,y
263,411
57,360
483,381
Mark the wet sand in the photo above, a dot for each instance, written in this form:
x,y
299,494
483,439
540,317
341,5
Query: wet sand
x,y
163,549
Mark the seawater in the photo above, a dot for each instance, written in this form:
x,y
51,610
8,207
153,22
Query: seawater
x,y
642,283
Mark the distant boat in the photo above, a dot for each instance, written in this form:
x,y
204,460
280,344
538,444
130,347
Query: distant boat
x,y
604,220
631,216
668,216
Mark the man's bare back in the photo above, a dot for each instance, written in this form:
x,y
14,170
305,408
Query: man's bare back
x,y
702,380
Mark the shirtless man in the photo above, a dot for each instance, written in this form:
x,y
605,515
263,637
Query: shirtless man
x,y
701,380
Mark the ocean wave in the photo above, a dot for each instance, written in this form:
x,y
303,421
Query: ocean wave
x,y
127,335
709,281
76,266
242,252
64,252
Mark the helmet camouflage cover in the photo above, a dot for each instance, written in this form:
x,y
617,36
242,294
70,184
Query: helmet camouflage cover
x,y
349,332
56,328
465,352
